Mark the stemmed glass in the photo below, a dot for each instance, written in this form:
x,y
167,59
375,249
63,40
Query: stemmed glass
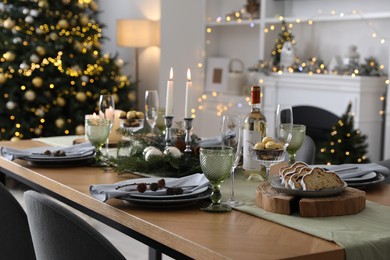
x,y
107,111
97,130
216,163
298,136
151,108
231,136
284,123
267,158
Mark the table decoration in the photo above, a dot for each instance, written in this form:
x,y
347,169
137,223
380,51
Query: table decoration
x,y
132,154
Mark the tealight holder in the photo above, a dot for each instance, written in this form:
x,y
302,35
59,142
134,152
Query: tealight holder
x,y
168,134
188,127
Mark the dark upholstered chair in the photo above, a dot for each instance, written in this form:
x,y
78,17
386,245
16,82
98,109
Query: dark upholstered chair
x,y
58,233
386,163
15,237
307,152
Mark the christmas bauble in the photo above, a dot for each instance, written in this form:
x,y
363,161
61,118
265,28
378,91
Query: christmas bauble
x,y
3,78
37,82
66,2
8,23
53,36
34,13
15,139
9,56
29,95
60,122
24,66
152,152
37,131
63,24
119,63
148,148
10,105
132,96
41,50
80,130
34,58
40,112
80,96
29,19
17,40
172,150
84,78
25,11
61,102
39,30
94,6
43,4
84,20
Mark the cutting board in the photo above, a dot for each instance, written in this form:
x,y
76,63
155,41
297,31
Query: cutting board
x,y
350,201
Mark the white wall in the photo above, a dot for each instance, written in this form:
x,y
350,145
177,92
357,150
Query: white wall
x,y
149,58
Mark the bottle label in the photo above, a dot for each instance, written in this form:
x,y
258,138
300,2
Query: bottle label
x,y
250,139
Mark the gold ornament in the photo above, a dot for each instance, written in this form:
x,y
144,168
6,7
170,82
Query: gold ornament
x,y
66,2
61,102
84,20
8,23
94,6
53,36
132,96
40,50
80,130
37,131
43,4
81,96
3,78
63,24
9,56
37,82
60,122
34,58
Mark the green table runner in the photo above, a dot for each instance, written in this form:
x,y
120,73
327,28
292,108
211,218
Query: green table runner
x,y
363,236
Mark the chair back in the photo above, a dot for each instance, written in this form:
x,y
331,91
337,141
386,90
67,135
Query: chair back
x,y
58,233
307,152
15,236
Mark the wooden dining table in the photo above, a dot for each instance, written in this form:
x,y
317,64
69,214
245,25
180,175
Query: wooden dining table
x,y
183,232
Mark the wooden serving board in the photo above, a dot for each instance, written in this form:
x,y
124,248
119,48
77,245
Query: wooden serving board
x,y
350,201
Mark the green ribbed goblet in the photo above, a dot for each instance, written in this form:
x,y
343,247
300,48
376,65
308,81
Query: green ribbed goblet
x,y
216,163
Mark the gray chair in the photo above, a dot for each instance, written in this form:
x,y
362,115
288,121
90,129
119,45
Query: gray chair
x,y
15,236
307,152
58,233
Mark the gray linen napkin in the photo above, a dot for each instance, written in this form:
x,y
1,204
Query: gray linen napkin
x,y
212,141
189,184
74,150
346,171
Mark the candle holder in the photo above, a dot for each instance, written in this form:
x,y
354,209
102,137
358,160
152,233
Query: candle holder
x,y
188,127
168,135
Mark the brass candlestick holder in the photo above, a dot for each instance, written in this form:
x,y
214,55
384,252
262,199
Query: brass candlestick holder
x,y
188,127
168,134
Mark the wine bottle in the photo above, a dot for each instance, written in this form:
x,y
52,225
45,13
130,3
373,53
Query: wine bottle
x,y
255,129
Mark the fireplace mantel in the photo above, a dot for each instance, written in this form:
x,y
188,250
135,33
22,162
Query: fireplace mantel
x,y
328,92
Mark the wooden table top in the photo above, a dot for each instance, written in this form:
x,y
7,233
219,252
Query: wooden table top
x,y
188,230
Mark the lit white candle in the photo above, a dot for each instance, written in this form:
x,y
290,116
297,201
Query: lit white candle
x,y
187,111
169,97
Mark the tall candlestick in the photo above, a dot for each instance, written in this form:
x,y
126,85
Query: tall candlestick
x,y
169,97
187,111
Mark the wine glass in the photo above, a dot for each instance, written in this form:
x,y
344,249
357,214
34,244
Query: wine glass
x,y
97,131
216,163
231,136
298,136
151,108
284,123
107,111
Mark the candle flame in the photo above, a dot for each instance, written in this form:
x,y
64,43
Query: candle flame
x,y
171,74
188,75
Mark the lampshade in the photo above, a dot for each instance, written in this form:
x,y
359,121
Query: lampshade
x,y
137,33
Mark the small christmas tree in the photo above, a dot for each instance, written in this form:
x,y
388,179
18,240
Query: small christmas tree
x,y
284,35
52,71
346,145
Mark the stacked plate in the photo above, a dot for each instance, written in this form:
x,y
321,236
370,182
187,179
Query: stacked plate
x,y
160,198
364,180
52,156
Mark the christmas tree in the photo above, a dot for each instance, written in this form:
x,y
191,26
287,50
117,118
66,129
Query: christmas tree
x,y
52,70
284,36
346,144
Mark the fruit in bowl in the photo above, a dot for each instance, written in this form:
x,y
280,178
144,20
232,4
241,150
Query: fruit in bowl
x,y
269,149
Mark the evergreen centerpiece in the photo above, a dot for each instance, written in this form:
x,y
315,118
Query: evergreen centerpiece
x,y
346,144
284,36
52,70
146,153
